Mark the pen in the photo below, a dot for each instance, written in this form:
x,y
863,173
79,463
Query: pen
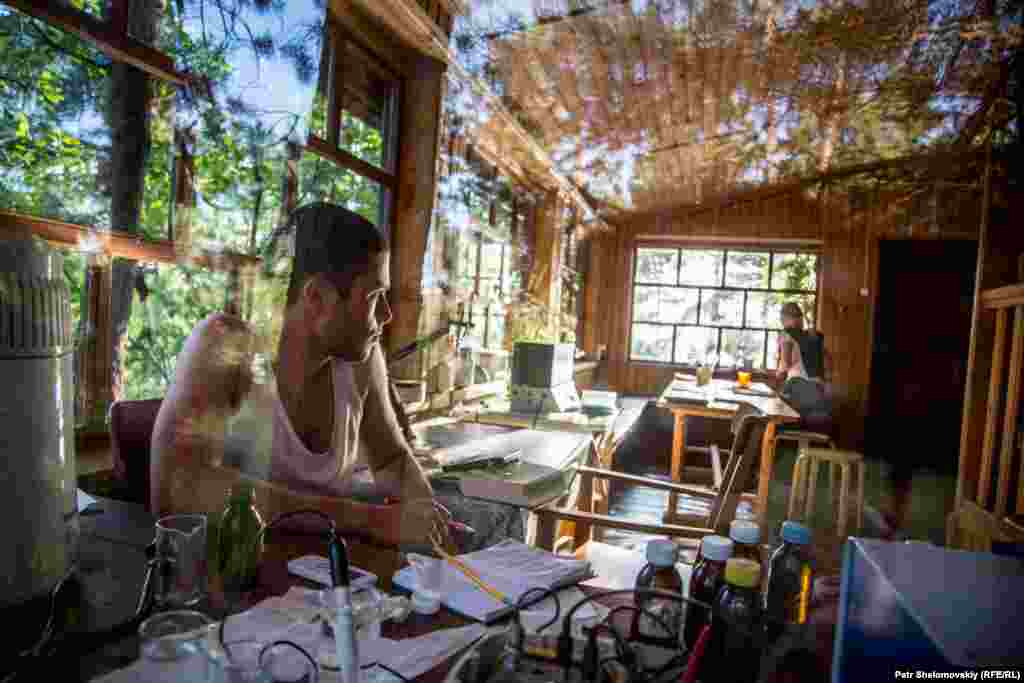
x,y
453,525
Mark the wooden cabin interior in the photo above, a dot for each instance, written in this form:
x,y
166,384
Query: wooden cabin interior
x,y
648,181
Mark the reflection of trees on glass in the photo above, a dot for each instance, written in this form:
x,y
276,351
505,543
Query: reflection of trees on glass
x,y
91,141
724,308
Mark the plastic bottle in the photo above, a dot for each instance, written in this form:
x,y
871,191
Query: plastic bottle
x,y
746,537
734,651
660,573
706,580
240,541
787,595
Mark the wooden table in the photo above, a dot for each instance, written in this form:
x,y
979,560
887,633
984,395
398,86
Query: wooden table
x,y
112,552
608,432
774,408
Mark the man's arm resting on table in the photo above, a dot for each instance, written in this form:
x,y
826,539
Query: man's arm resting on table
x,y
204,488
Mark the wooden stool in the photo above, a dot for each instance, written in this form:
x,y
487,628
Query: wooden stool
x,y
805,478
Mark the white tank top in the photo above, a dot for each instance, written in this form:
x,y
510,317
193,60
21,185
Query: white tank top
x,y
262,442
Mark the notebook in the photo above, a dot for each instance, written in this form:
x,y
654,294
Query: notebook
x,y
511,567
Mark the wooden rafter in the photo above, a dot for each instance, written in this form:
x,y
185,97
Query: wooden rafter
x,y
110,37
117,244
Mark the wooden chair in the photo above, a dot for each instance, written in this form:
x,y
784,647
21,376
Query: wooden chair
x,y
131,432
721,501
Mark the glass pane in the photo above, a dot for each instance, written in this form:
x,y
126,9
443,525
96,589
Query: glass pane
x,y
646,304
370,106
475,334
652,342
701,268
742,348
176,299
57,158
763,310
806,302
718,307
74,276
695,344
322,180
489,290
490,260
656,266
262,59
773,351
679,305
795,271
496,334
747,269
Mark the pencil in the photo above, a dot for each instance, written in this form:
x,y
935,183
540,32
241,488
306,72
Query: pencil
x,y
475,578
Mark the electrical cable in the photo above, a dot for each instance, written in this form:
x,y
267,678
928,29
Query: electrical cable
x,y
565,637
302,651
386,668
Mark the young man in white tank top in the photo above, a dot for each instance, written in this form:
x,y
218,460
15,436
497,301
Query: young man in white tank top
x,y
301,435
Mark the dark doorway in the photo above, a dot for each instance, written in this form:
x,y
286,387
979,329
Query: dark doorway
x,y
921,339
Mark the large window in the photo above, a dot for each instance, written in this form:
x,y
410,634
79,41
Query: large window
x,y
484,216
708,305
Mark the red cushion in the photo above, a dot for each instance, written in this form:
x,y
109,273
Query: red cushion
x,y
131,431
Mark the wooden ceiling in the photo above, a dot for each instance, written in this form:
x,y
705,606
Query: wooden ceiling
x,y
636,110
641,105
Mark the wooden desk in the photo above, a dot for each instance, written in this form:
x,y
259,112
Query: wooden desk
x,y
112,568
608,432
774,408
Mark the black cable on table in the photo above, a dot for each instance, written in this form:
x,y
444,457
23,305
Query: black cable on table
x,y
386,668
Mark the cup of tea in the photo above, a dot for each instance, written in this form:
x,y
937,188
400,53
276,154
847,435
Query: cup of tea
x,y
743,378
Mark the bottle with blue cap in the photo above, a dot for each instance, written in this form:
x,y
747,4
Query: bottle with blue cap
x,y
660,573
746,537
787,595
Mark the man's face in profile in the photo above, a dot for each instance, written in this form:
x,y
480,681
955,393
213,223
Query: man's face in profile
x,y
357,321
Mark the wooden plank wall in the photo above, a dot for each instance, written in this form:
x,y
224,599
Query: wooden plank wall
x,y
848,241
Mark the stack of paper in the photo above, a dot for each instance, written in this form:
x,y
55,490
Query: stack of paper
x,y
511,567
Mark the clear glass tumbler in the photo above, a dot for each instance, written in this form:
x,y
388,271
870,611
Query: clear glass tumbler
x,y
181,545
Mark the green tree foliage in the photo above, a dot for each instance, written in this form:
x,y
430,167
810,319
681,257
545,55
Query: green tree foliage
x,y
55,148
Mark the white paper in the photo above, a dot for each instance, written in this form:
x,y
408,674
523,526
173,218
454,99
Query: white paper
x,y
616,568
412,657
510,567
84,500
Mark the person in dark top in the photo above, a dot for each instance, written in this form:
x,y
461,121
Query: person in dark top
x,y
802,370
801,353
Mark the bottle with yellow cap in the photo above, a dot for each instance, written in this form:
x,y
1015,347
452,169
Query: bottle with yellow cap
x,y
734,650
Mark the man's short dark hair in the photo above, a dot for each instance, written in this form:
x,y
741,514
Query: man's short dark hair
x,y
333,241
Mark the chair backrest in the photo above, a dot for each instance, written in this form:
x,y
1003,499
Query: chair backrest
x,y
748,429
131,433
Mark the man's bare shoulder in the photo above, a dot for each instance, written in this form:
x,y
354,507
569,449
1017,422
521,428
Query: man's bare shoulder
x,y
215,356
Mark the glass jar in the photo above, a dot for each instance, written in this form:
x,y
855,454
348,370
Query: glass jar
x,y
660,573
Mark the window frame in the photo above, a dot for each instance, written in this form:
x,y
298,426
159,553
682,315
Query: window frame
x,y
336,41
725,248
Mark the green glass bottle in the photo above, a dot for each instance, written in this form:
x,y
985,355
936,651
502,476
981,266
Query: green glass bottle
x,y
240,541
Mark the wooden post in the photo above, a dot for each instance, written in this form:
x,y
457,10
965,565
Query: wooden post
x,y
544,285
420,119
96,353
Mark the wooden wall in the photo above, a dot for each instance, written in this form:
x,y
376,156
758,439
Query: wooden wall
x,y
847,235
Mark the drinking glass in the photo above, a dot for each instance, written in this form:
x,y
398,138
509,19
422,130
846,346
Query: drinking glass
x,y
181,546
743,378
252,661
173,635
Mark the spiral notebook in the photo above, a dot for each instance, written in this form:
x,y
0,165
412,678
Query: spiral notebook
x,y
512,568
